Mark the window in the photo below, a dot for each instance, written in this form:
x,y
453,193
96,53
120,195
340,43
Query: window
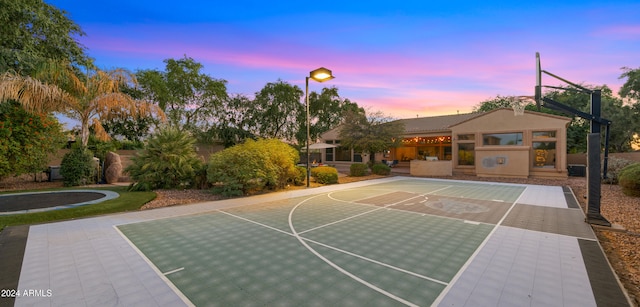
x,y
544,149
502,139
544,154
466,154
329,154
342,153
544,134
466,137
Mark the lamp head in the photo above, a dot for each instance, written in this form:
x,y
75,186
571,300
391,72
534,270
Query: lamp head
x,y
321,74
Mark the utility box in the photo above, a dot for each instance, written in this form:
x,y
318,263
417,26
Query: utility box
x,y
54,173
577,170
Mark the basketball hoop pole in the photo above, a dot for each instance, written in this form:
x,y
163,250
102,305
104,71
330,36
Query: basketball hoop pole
x,y
593,141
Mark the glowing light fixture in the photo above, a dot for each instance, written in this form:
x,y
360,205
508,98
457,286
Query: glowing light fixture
x,y
321,74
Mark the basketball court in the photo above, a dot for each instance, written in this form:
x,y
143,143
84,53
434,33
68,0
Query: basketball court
x,y
398,241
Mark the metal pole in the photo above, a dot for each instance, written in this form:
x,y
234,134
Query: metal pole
x,y
593,159
306,99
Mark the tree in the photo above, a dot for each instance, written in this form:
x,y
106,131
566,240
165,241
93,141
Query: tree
x,y
33,31
275,112
492,104
87,97
188,96
631,88
630,91
622,130
26,139
233,124
502,102
623,126
127,126
370,133
325,112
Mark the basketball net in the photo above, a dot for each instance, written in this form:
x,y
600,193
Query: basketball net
x,y
519,103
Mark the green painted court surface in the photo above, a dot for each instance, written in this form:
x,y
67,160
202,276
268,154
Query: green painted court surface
x,y
395,243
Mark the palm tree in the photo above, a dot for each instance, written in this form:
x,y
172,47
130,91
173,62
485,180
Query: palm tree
x,y
34,96
87,97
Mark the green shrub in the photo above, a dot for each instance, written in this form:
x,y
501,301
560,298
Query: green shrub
x,y
325,174
200,181
300,176
253,166
358,169
381,169
614,166
327,178
629,180
168,161
77,167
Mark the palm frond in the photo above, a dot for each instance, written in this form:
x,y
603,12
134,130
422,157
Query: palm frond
x,y
34,95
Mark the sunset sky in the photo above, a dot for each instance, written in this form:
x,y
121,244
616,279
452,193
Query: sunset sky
x,y
404,58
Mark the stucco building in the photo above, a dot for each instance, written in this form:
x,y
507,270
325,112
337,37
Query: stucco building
x,y
489,144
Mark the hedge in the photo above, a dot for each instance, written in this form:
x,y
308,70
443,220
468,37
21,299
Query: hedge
x,y
629,180
325,174
358,170
381,169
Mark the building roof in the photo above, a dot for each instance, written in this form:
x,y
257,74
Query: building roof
x,y
435,123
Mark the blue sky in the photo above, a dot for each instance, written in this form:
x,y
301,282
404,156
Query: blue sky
x,y
404,58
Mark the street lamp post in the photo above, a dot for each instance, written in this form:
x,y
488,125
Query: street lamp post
x,y
321,74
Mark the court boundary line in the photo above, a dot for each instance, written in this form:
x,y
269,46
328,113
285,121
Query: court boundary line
x,y
159,273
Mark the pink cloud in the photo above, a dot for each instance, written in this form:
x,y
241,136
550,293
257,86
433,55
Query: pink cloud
x,y
406,82
627,32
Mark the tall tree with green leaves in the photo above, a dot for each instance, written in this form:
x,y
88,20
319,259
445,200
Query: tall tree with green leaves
x,y
631,88
128,125
33,32
325,111
233,123
623,126
630,92
188,96
370,133
276,110
624,117
26,139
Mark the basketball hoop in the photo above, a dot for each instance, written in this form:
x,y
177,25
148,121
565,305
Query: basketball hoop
x,y
519,103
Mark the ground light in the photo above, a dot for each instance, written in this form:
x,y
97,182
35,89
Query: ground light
x,y
321,75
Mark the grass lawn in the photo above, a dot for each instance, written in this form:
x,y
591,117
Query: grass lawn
x,y
128,201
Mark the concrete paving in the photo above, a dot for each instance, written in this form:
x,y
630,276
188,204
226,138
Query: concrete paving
x,y
539,253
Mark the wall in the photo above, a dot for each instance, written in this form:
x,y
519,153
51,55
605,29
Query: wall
x,y
203,150
505,161
430,168
582,157
519,157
